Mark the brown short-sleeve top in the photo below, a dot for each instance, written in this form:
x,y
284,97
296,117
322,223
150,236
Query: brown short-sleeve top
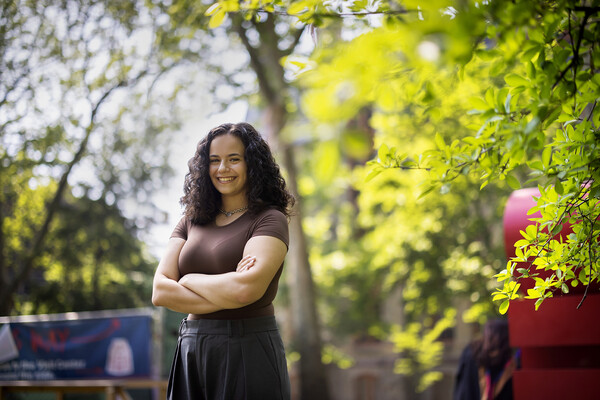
x,y
213,249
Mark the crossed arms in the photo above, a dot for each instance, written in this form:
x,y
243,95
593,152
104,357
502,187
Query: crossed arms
x,y
202,294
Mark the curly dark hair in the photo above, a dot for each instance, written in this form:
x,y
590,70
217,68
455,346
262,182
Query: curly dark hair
x,y
493,350
266,186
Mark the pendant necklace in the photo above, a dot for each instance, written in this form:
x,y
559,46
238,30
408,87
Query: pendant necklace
x,y
230,213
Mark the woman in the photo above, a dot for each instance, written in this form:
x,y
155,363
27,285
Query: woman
x,y
222,265
486,365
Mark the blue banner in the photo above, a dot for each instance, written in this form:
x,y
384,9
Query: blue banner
x,y
108,347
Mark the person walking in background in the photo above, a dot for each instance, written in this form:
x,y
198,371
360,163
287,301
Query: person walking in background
x,y
222,265
486,366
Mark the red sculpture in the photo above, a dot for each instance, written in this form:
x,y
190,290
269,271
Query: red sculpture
x,y
560,344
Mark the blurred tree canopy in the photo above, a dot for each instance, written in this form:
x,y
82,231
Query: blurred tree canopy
x,y
81,121
92,260
466,95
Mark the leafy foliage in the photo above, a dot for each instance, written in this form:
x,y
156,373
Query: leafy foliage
x,y
376,238
434,249
92,261
77,112
499,92
542,119
422,350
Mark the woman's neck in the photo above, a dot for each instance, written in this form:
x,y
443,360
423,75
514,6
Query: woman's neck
x,y
229,204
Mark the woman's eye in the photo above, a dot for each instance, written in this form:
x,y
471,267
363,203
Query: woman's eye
x,y
214,161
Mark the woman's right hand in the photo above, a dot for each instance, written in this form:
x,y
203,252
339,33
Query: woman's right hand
x,y
245,263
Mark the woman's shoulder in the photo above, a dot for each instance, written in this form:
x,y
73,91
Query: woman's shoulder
x,y
182,228
270,214
270,222
271,211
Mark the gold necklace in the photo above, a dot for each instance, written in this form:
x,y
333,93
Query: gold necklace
x,y
230,213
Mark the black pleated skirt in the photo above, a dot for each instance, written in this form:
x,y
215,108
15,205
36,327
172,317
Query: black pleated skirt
x,y
229,360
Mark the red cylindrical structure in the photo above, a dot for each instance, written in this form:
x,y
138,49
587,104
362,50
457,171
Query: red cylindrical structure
x,y
560,344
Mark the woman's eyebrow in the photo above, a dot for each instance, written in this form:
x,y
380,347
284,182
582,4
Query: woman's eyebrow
x,y
228,155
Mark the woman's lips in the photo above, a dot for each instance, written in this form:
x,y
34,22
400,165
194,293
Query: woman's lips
x,y
225,180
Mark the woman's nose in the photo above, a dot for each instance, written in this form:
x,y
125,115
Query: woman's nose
x,y
223,166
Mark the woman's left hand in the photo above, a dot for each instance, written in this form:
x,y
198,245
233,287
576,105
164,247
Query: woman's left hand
x,y
245,263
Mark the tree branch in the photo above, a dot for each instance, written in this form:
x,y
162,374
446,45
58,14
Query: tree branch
x,y
255,63
590,252
296,39
343,14
575,60
28,262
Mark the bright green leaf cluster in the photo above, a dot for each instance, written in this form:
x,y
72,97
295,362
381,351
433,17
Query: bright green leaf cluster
x,y
421,350
537,116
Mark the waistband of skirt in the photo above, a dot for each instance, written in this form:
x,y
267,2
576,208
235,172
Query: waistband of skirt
x,y
230,327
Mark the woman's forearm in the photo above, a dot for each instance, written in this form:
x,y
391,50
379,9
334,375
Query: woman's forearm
x,y
224,290
170,294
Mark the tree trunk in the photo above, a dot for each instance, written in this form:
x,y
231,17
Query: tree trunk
x,y
306,330
265,61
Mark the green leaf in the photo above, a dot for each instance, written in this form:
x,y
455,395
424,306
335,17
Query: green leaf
x,y
439,141
501,99
558,186
515,291
478,103
297,8
217,18
583,277
521,243
373,173
299,64
383,153
531,125
499,296
557,228
426,191
533,210
538,303
504,307
513,182
574,283
516,80
536,164
547,156
532,231
489,97
531,70
213,9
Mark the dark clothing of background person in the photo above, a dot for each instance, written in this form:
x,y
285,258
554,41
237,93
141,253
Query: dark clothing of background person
x,y
486,366
466,385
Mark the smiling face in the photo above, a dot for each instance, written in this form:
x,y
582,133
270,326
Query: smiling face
x,y
228,169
